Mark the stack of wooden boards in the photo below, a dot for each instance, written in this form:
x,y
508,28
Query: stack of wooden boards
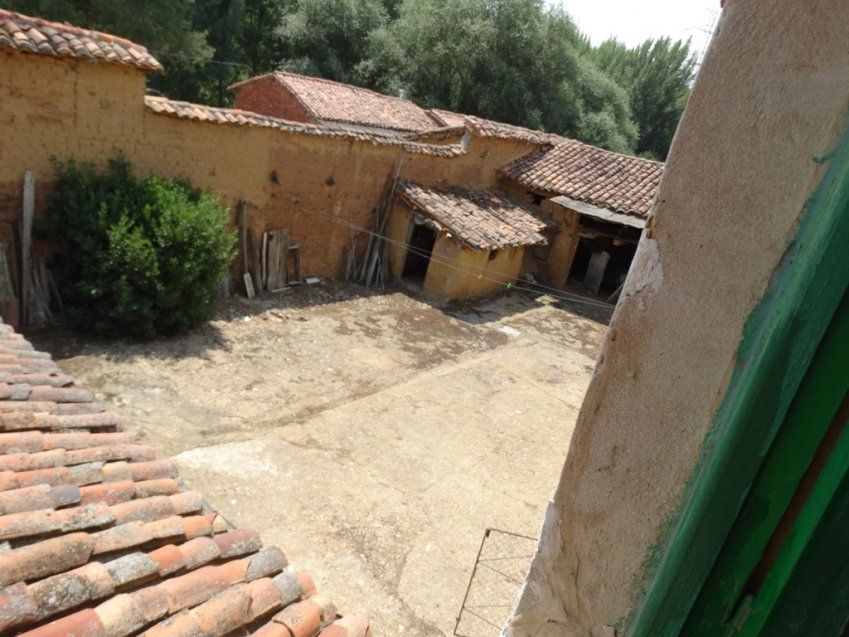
x,y
265,263
34,282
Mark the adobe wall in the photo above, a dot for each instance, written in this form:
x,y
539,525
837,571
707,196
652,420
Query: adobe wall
x,y
69,109
767,107
458,272
398,231
554,269
455,271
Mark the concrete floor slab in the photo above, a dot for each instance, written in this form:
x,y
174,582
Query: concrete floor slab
x,y
373,436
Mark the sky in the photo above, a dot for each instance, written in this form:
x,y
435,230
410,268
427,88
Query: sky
x,y
633,21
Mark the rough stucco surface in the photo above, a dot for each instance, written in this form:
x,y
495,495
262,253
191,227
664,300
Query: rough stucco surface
x,y
769,100
91,112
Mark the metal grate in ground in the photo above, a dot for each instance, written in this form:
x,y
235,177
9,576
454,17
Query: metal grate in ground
x,y
500,567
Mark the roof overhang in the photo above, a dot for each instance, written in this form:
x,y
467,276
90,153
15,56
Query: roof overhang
x,y
602,214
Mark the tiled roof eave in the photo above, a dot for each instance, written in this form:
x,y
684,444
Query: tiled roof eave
x,y
478,227
28,34
101,538
222,116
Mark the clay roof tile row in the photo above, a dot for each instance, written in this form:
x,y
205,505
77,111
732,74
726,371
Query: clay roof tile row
x,y
483,220
617,182
331,101
97,537
198,112
34,35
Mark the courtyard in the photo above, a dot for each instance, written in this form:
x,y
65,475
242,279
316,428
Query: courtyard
x,y
375,437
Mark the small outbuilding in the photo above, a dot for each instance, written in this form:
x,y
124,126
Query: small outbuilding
x,y
599,202
459,243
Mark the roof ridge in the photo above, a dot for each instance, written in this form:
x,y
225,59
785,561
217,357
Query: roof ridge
x,y
32,34
326,80
201,112
609,152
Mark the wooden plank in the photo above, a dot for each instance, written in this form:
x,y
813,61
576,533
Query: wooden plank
x,y
273,260
52,287
241,221
26,244
296,248
249,285
284,257
254,249
263,270
6,290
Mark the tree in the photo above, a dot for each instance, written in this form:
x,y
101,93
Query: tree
x,y
509,60
657,75
163,26
205,45
259,40
328,38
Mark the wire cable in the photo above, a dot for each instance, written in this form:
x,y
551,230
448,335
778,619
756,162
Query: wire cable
x,y
559,294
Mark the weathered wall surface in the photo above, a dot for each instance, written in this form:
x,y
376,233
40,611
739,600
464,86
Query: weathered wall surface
x,y
91,112
554,269
267,96
767,106
455,271
398,231
458,272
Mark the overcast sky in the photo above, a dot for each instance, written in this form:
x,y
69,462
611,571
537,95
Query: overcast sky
x,y
632,21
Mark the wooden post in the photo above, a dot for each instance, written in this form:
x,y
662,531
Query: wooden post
x,y
254,246
242,223
284,257
26,245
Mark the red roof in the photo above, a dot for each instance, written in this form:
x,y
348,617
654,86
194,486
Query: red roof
x,y
34,35
482,127
617,182
234,116
448,119
330,101
482,219
98,537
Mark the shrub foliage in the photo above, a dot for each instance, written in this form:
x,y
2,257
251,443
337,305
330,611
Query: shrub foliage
x,y
140,256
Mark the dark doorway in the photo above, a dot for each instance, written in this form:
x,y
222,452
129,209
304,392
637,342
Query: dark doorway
x,y
418,253
621,255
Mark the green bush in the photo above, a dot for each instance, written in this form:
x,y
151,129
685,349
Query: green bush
x,y
140,256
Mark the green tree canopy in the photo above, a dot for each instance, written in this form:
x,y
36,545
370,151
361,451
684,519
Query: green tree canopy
x,y
163,26
511,60
657,75
329,38
517,61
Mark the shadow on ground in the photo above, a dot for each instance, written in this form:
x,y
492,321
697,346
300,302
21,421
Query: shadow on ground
x,y
65,342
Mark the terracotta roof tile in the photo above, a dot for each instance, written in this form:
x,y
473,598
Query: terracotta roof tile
x,y
484,220
447,119
98,538
330,101
481,127
489,128
197,112
620,183
34,35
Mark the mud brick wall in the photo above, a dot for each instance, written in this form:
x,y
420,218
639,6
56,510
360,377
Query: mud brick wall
x,y
93,111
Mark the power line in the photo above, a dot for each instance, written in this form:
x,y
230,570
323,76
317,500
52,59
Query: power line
x,y
560,294
195,58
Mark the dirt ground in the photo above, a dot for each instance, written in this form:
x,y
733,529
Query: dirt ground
x,y
373,436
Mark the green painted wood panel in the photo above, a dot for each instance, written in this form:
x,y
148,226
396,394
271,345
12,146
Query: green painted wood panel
x,y
820,395
779,342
